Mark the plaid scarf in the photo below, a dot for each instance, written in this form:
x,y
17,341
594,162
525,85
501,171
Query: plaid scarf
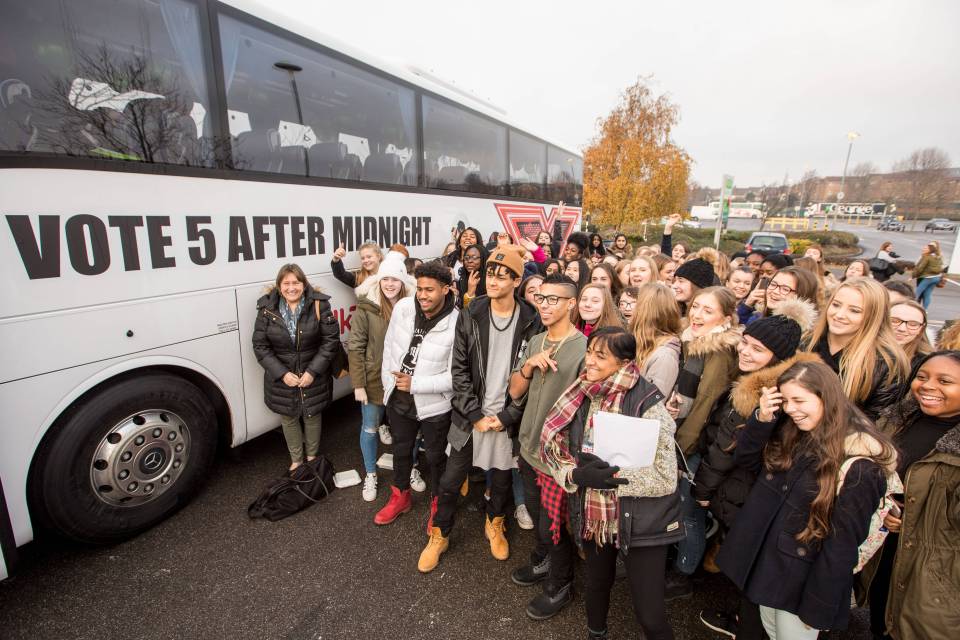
x,y
600,506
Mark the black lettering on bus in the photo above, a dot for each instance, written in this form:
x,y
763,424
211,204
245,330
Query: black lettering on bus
x,y
343,232
395,235
41,259
128,239
280,234
239,244
426,230
260,235
207,252
315,242
404,231
358,236
97,259
159,241
416,235
370,230
384,235
296,237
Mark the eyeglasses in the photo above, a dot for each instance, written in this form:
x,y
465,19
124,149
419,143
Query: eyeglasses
x,y
782,288
550,300
913,325
627,305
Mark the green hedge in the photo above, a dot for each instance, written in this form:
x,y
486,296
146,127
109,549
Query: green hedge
x,y
733,241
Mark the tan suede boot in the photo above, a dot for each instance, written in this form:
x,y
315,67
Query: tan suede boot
x,y
494,529
430,556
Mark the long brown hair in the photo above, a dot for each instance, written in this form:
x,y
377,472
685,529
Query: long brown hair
x,y
920,343
874,339
807,287
609,315
826,442
656,318
386,304
615,285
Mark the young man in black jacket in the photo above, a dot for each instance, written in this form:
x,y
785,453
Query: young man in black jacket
x,y
491,336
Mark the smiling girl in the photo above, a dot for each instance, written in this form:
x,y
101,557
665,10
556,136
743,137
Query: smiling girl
x,y
595,308
854,338
794,545
370,258
790,283
920,553
909,322
709,366
642,270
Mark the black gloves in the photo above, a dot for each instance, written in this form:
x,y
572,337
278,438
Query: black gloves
x,y
593,472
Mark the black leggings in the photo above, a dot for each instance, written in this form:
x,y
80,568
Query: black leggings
x,y
404,430
646,577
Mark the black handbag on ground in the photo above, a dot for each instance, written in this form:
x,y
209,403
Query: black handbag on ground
x,y
310,482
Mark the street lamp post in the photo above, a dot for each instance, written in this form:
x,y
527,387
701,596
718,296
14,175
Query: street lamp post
x,y
851,136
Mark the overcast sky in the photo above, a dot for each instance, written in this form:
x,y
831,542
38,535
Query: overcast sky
x,y
764,87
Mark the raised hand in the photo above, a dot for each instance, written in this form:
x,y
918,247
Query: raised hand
x,y
770,401
340,252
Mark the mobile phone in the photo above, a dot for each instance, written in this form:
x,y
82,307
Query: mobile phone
x,y
895,510
764,283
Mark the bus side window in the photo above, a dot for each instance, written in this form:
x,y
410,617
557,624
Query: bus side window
x,y
528,162
105,79
471,150
336,121
564,176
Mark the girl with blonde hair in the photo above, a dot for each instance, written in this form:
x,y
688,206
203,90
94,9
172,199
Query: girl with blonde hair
x,y
666,267
656,327
370,258
854,337
643,269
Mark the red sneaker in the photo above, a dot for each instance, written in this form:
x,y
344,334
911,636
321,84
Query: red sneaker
x,y
433,512
399,503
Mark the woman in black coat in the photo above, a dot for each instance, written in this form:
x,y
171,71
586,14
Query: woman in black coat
x,y
295,340
794,545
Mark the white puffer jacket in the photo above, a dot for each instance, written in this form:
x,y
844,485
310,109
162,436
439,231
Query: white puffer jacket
x,y
432,383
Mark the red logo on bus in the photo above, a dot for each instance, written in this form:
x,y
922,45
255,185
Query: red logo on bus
x,y
527,220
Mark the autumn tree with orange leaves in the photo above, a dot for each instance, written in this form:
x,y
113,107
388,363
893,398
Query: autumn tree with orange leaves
x,y
633,171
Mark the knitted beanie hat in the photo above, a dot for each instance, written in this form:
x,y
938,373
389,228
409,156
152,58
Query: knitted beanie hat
x,y
781,332
508,255
698,271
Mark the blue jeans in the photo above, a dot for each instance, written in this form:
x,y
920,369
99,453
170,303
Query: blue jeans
x,y
690,549
925,289
371,417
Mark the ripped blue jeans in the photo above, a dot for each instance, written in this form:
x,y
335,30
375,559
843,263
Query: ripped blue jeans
x,y
371,417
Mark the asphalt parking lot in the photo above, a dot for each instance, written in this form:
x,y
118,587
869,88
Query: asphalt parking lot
x,y
326,573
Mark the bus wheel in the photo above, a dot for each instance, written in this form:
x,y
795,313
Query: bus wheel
x,y
124,458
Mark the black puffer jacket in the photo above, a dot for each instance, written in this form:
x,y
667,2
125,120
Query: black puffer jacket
x,y
719,480
313,352
470,355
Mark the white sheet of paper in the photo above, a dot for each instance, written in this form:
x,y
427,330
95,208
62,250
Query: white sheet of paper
x,y
385,461
344,479
624,441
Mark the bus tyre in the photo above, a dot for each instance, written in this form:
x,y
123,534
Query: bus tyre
x,y
124,458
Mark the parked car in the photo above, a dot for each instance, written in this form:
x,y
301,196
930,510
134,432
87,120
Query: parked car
x,y
890,223
939,224
767,241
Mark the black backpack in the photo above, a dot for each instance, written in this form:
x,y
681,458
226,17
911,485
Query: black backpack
x,y
310,482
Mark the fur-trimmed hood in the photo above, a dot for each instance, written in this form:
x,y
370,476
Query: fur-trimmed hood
x,y
721,339
949,442
745,392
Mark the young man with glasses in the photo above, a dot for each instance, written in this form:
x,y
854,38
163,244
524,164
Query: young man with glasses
x,y
491,337
554,360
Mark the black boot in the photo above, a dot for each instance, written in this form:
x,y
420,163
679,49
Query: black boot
x,y
530,574
596,635
547,605
678,586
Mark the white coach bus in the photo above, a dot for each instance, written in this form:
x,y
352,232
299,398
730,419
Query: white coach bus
x,y
159,161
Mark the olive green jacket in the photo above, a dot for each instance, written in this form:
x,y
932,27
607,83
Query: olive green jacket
x,y
924,596
365,348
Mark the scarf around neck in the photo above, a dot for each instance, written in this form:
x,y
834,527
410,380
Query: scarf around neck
x,y
600,509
